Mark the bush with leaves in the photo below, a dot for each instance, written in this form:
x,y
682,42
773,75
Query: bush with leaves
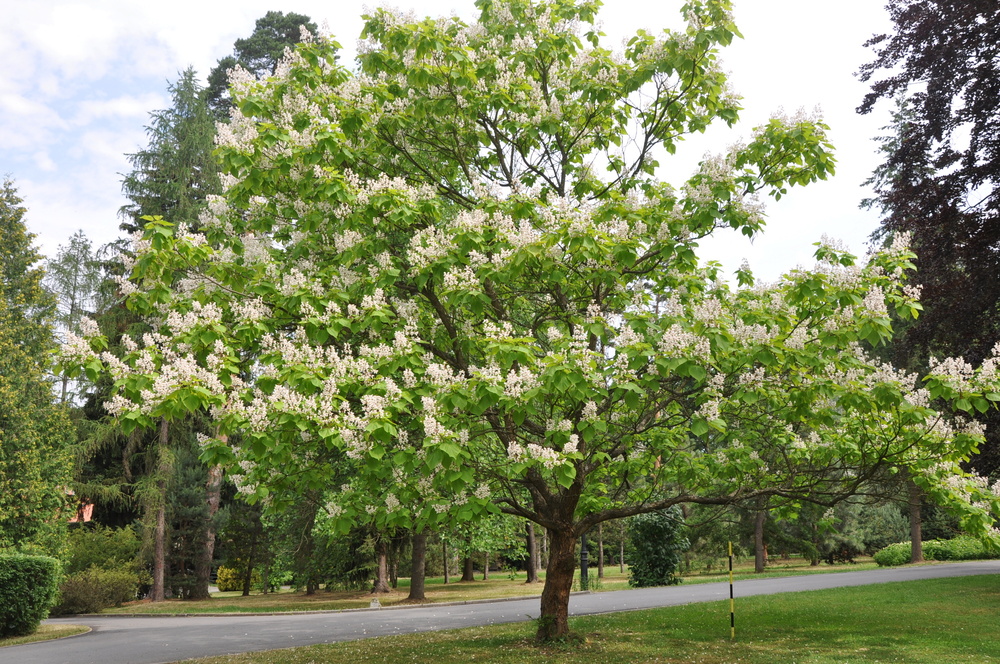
x,y
92,545
28,586
959,548
656,543
95,589
230,579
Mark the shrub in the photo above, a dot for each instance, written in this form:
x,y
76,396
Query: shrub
x,y
28,587
109,548
655,547
96,588
893,555
962,547
231,578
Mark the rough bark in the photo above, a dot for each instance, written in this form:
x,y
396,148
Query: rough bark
x,y
418,563
916,536
532,553
467,569
248,573
621,547
600,551
759,552
554,620
203,568
382,571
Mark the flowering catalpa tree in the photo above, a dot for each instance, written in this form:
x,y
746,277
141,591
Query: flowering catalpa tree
x,y
456,270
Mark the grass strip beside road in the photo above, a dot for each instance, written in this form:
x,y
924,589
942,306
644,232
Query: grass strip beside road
x,y
45,633
919,622
500,585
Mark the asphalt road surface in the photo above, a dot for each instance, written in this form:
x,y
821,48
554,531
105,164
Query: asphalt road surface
x,y
160,639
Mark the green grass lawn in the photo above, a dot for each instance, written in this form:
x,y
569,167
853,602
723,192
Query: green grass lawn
x,y
499,585
942,621
45,633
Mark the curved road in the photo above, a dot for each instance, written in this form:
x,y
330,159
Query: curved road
x,y
161,639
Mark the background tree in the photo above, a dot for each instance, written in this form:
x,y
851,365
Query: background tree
x,y
940,179
258,54
176,172
36,438
74,278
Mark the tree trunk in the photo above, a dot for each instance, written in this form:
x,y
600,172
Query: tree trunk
x,y
600,551
467,569
160,533
621,548
554,620
759,552
418,565
444,557
545,549
532,553
248,575
916,536
486,566
203,566
382,572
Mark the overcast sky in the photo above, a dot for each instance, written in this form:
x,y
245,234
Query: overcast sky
x,y
81,77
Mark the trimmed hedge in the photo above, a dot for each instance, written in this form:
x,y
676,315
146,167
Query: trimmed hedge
x,y
28,587
962,547
94,589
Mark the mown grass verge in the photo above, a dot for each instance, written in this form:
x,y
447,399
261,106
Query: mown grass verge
x,y
45,633
918,622
499,585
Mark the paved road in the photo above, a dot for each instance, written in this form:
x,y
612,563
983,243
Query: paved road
x,y
154,640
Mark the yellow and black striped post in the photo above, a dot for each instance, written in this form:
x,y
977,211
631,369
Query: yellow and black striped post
x,y
732,604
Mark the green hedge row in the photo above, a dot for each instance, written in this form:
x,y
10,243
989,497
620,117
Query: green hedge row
x,y
962,547
28,587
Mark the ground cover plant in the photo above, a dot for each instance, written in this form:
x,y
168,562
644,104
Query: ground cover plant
x,y
918,622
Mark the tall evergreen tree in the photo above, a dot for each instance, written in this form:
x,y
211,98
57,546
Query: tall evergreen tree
x,y
940,179
172,178
175,173
35,434
73,278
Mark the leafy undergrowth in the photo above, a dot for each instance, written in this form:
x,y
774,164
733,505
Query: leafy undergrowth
x,y
918,622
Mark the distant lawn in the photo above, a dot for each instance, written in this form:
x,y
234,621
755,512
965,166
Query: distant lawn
x,y
499,585
951,621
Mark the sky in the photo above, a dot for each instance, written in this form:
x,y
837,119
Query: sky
x,y
81,77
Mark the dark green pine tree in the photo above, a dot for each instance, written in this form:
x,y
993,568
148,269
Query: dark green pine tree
x,y
259,54
36,438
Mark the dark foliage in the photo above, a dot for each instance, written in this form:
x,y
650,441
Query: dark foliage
x,y
656,545
941,177
258,54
